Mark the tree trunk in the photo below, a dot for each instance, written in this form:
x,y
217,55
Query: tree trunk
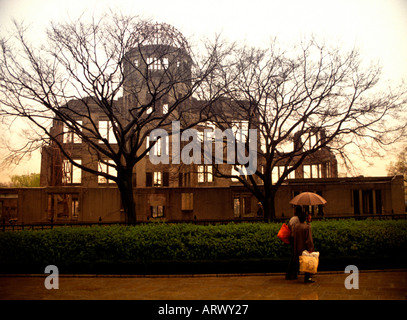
x,y
125,185
269,207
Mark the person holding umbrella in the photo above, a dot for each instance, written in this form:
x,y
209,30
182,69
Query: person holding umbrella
x,y
301,233
302,240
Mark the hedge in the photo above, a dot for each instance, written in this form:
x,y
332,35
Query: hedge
x,y
188,248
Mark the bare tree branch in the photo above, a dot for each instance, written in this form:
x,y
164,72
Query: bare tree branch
x,y
307,104
117,69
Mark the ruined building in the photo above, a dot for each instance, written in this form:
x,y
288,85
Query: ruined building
x,y
167,190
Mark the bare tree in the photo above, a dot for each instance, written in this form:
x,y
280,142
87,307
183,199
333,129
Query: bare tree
x,y
133,74
310,103
399,167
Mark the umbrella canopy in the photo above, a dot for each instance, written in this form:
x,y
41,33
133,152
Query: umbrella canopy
x,y
307,199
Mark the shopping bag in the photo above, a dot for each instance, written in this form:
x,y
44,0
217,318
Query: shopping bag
x,y
309,262
284,234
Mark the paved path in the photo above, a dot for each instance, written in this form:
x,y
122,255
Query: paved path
x,y
373,285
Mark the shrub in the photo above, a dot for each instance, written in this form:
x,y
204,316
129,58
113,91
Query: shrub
x,y
191,244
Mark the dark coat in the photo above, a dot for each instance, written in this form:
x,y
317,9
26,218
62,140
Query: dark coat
x,y
302,239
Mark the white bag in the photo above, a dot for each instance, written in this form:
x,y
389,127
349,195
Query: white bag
x,y
309,262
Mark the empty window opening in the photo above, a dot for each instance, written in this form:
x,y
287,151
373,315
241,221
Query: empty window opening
x,y
312,171
107,168
63,206
157,179
71,174
278,171
157,149
106,132
157,63
69,135
242,206
205,173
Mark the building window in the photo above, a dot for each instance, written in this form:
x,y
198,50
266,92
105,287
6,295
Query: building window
x,y
164,63
356,202
69,136
157,211
367,201
205,173
278,171
312,141
165,108
312,171
241,130
246,205
157,179
150,62
106,132
63,206
157,63
157,149
316,171
328,170
149,179
107,168
75,206
242,206
306,170
184,179
8,207
378,199
71,174
236,207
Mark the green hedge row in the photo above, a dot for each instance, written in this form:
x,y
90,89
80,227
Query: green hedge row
x,y
142,247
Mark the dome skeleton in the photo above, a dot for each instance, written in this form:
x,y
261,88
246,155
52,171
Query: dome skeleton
x,y
159,34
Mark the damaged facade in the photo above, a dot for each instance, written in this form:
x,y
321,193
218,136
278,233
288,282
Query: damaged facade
x,y
176,191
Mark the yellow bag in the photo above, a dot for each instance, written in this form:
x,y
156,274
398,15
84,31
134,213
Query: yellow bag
x,y
309,262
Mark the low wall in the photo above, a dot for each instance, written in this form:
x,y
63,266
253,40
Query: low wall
x,y
346,197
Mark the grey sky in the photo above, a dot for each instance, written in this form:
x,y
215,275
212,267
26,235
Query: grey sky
x,y
377,27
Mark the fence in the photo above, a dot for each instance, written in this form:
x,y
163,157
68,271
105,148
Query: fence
x,y
48,226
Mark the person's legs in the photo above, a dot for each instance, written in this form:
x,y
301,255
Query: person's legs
x,y
307,278
292,269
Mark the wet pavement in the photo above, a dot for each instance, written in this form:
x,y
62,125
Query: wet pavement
x,y
372,285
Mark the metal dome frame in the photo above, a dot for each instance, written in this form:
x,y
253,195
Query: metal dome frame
x,y
148,33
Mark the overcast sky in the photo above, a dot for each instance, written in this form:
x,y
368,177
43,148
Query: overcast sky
x,y
377,27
